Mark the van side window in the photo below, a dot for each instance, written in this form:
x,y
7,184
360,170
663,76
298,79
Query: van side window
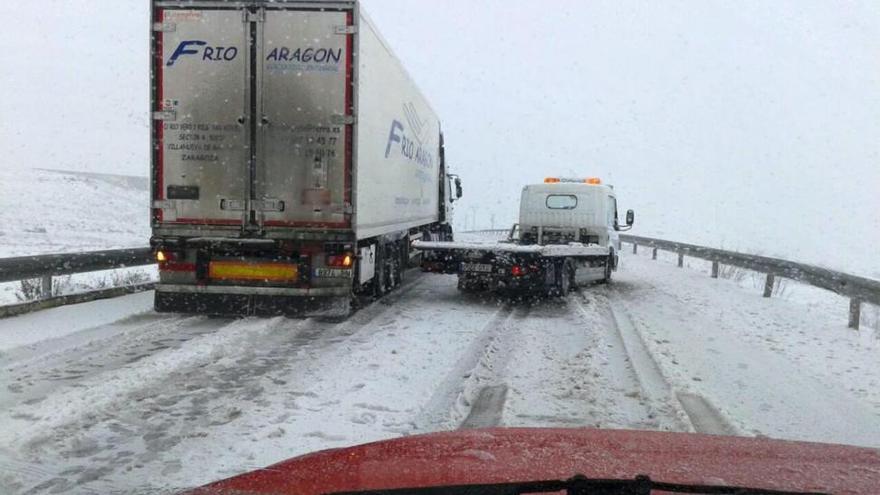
x,y
562,201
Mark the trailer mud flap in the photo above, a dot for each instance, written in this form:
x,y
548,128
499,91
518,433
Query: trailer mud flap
x,y
253,305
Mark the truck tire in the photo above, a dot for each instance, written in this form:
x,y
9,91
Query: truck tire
x,y
609,267
562,282
380,279
565,279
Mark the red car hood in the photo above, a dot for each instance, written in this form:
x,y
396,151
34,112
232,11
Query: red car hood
x,y
503,455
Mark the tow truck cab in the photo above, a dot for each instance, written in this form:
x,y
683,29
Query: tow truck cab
x,y
561,211
567,234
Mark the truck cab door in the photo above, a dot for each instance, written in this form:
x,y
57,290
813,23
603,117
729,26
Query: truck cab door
x,y
613,224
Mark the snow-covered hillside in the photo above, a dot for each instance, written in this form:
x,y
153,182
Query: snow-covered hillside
x,y
44,211
47,211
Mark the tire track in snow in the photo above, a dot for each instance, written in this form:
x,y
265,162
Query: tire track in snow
x,y
452,400
48,368
683,410
107,390
214,381
567,370
487,408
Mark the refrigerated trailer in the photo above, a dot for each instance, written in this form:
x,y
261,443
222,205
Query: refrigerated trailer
x,y
293,158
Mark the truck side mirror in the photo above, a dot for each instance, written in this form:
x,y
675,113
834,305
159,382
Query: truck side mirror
x,y
457,188
630,218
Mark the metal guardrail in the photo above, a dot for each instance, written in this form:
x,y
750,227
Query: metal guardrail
x,y
45,267
859,290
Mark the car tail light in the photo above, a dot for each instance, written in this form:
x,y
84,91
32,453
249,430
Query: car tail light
x,y
517,271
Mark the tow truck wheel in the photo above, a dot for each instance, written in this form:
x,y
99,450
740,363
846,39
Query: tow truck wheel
x,y
609,266
565,279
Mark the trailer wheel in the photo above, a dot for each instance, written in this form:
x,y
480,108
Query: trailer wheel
x,y
380,279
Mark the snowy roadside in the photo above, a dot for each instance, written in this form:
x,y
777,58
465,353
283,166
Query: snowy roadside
x,y
46,212
778,367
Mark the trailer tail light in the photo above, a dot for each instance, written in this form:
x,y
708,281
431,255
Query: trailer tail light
x,y
340,260
517,271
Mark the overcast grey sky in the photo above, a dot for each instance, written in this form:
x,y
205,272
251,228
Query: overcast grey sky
x,y
748,124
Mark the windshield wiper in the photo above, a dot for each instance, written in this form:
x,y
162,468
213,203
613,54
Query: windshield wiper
x,y
581,485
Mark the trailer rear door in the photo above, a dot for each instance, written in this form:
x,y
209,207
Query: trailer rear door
x,y
201,119
252,125
303,155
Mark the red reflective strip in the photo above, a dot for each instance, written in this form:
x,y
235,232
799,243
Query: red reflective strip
x,y
206,221
349,105
333,225
170,266
160,125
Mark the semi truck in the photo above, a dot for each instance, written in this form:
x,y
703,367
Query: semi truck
x,y
294,160
567,235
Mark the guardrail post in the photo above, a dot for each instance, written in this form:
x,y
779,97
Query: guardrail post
x,y
715,268
654,254
46,287
680,260
855,312
635,248
768,285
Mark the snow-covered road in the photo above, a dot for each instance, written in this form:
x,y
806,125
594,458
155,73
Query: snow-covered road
x,y
141,401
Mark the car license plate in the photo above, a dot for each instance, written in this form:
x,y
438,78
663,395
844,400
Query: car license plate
x,y
476,267
332,273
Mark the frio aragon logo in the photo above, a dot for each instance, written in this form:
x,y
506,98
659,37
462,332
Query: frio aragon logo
x,y
203,51
410,143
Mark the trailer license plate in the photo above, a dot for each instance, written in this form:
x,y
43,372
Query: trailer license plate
x,y
476,267
332,273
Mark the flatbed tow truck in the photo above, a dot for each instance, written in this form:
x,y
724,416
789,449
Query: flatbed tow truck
x,y
567,235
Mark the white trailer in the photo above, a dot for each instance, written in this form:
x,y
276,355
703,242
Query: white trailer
x,y
294,159
567,234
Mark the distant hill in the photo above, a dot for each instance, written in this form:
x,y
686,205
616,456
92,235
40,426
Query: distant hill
x,y
54,211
